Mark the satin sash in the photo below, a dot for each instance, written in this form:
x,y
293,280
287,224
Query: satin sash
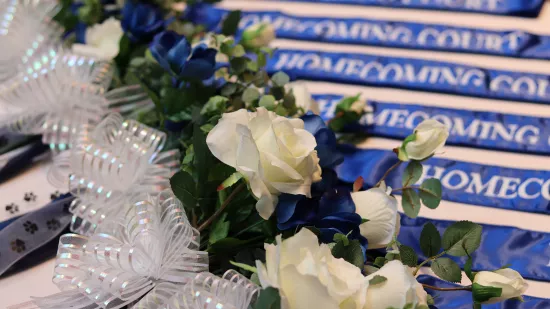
x,y
390,33
480,129
413,74
528,252
463,182
463,299
525,8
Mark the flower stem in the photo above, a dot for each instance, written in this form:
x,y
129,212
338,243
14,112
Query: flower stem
x,y
426,261
222,207
387,173
410,187
460,288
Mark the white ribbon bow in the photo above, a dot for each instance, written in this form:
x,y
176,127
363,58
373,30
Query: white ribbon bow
x,y
156,246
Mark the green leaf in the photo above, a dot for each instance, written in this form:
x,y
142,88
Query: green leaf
x,y
250,95
430,192
219,230
346,103
412,174
255,279
377,279
245,266
207,128
341,237
379,261
408,256
363,220
352,253
468,268
267,101
447,269
462,238
230,24
269,299
203,157
184,188
238,51
280,79
477,306
421,306
228,89
411,203
215,104
481,293
430,240
238,64
402,153
230,181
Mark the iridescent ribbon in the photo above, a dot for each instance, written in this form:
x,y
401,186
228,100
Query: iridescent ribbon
x,y
152,245
30,232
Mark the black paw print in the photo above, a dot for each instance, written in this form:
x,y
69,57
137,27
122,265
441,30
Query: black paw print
x,y
29,197
12,208
55,195
30,227
18,245
53,224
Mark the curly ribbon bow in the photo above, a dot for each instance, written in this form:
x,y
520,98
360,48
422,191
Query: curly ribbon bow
x,y
116,160
154,247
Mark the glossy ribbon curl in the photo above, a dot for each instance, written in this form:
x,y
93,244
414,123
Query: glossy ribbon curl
x,y
480,129
154,245
26,29
393,34
109,164
413,74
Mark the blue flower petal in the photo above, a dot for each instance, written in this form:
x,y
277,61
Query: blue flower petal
x,y
336,201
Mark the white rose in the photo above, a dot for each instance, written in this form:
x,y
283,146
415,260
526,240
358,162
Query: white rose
x,y
358,106
399,289
303,97
308,276
102,40
380,208
509,280
275,154
429,137
258,35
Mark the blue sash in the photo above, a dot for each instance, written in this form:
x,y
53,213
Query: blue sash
x,y
463,182
390,33
414,74
526,8
478,129
463,299
527,252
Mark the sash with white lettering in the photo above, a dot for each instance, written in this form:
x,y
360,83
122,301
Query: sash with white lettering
x,y
463,299
390,34
415,74
463,182
528,252
479,129
525,8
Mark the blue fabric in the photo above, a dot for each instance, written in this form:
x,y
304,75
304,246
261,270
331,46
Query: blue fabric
x,y
30,232
414,74
17,164
528,252
360,31
462,182
463,299
526,8
175,55
490,130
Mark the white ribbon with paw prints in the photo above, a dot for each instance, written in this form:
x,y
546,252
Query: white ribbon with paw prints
x,y
153,244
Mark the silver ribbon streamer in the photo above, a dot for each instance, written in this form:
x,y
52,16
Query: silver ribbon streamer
x,y
116,160
155,247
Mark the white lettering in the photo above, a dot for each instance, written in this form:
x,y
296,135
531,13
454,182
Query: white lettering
x,y
509,184
476,185
522,190
463,180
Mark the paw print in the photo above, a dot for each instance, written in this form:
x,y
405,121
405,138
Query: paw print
x,y
30,227
12,208
53,224
18,245
29,197
55,195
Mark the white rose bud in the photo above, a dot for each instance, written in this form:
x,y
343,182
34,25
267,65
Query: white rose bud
x,y
258,35
309,276
400,288
274,154
429,137
380,208
510,281
358,106
102,40
303,97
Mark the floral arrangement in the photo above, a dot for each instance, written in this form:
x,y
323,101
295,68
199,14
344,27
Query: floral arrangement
x,y
253,213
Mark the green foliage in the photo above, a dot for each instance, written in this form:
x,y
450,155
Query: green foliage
x,y
412,174
280,79
482,293
408,256
91,12
269,299
245,267
379,261
349,250
344,115
377,279
411,203
447,269
430,240
430,192
220,229
267,101
184,187
462,238
230,24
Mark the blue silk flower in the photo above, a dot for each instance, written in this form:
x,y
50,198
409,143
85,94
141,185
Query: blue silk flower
x,y
174,54
141,21
330,209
